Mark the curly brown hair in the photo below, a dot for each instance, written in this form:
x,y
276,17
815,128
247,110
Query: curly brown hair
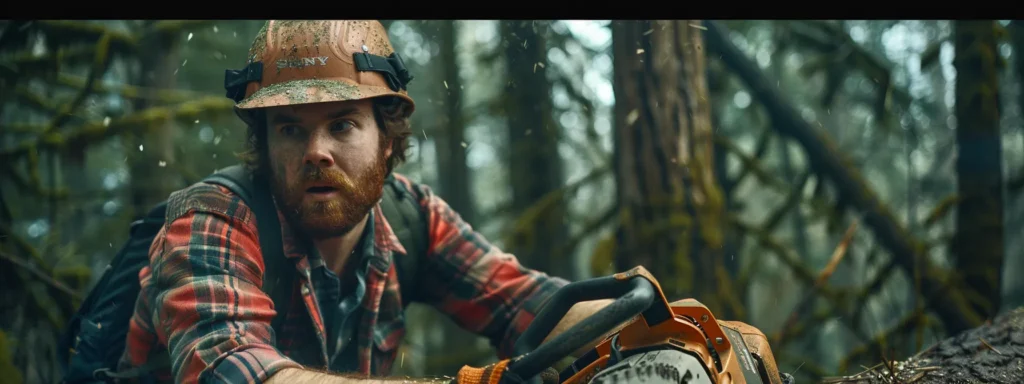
x,y
392,116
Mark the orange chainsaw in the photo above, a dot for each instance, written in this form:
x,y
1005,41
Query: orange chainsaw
x,y
681,342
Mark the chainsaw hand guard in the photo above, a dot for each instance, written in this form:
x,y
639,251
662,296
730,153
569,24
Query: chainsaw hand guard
x,y
712,350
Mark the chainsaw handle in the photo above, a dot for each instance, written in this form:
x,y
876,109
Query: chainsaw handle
x,y
632,297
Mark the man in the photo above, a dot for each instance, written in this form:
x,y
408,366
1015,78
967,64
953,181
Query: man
x,y
328,118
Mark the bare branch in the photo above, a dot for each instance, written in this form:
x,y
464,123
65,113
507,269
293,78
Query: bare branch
x,y
43,277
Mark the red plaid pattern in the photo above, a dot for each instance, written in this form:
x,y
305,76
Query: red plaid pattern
x,y
201,299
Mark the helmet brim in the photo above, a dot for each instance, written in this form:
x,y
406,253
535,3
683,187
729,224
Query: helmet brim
x,y
309,91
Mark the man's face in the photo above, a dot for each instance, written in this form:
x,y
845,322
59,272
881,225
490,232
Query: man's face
x,y
327,164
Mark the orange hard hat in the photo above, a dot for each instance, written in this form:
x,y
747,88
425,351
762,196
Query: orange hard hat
x,y
315,61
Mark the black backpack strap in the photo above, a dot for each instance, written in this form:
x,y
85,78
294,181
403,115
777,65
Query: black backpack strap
x,y
279,272
409,222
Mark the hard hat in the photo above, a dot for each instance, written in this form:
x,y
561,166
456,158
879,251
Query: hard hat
x,y
314,61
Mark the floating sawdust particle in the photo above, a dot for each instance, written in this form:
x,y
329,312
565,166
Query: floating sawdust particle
x,y
699,27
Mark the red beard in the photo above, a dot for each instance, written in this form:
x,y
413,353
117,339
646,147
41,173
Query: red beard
x,y
322,219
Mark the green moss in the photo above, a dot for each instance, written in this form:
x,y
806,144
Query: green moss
x,y
259,44
77,277
295,91
8,371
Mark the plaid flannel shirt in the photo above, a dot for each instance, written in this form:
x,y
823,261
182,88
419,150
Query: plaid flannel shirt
x,y
201,299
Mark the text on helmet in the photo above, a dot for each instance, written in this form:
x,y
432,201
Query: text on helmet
x,y
301,62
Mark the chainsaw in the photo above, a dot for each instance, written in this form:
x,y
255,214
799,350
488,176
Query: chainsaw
x,y
661,343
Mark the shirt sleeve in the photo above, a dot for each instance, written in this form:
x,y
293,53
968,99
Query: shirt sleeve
x,y
208,307
481,288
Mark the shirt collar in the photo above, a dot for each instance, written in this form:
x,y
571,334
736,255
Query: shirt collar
x,y
385,242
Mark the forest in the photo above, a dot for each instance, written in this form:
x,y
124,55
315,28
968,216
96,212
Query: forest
x,y
851,188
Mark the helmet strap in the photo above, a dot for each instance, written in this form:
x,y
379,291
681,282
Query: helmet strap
x,y
392,67
235,81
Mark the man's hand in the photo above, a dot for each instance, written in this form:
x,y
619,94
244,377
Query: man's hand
x,y
295,375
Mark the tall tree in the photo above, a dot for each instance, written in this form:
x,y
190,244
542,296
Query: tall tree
x,y
1017,40
151,180
978,242
454,178
535,166
669,199
451,146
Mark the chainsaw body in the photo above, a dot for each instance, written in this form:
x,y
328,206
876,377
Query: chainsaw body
x,y
660,343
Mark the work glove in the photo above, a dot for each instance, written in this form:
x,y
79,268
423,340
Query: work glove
x,y
492,374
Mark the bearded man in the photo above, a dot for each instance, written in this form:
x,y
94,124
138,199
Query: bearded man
x,y
328,116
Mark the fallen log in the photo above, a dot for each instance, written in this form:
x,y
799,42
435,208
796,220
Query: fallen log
x,y
992,353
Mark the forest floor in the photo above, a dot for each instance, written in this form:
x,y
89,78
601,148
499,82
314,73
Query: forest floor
x,y
993,353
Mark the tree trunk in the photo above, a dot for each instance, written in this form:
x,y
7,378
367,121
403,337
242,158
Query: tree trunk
x,y
451,146
733,243
978,242
535,166
1017,41
152,180
669,199
455,188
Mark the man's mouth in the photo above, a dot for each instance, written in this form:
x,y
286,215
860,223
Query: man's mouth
x,y
322,191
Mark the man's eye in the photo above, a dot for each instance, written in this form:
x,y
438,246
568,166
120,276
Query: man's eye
x,y
341,126
289,130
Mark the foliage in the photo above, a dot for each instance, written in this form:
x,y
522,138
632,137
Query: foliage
x,y
877,96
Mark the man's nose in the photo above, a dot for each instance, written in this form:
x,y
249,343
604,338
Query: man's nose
x,y
318,151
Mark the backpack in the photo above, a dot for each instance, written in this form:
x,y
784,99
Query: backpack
x,y
92,344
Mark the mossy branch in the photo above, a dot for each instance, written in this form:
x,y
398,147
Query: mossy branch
x,y
174,27
801,327
101,61
843,53
43,303
751,164
526,223
40,275
33,185
874,286
794,198
72,32
763,141
137,123
930,55
158,95
36,101
576,95
25,62
589,228
764,176
803,307
784,253
8,370
830,161
943,208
